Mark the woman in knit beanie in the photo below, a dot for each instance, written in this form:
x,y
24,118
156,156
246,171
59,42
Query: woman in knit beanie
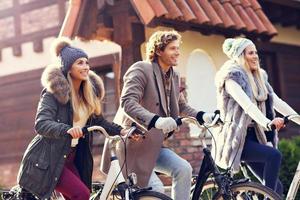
x,y
59,157
247,102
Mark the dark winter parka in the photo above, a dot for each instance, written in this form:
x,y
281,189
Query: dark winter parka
x,y
45,156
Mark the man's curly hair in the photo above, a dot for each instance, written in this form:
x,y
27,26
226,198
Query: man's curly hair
x,y
158,41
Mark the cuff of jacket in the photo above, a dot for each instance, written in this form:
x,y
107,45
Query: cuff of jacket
x,y
152,122
199,117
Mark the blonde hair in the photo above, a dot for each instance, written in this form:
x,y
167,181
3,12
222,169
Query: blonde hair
x,y
253,74
158,41
86,98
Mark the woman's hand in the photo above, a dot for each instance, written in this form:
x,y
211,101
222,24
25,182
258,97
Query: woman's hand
x,y
134,136
278,122
75,132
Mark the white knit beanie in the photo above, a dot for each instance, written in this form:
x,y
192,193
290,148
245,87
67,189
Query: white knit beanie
x,y
233,48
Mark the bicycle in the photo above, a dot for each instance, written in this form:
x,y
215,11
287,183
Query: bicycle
x,y
213,184
115,186
115,183
294,186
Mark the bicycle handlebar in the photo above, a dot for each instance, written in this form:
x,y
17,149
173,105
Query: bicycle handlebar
x,y
132,129
286,120
193,120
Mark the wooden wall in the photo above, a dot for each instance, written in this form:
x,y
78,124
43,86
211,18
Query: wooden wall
x,y
18,103
282,63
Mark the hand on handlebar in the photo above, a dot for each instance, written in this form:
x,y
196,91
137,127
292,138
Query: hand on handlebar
x,y
277,123
134,136
211,118
75,132
166,124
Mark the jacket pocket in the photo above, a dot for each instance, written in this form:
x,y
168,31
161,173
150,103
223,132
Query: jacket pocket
x,y
38,170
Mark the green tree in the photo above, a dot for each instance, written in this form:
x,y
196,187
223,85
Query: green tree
x,y
290,150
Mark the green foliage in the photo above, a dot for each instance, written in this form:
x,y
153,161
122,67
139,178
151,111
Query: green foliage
x,y
290,150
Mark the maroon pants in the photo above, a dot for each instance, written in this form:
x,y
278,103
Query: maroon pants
x,y
70,184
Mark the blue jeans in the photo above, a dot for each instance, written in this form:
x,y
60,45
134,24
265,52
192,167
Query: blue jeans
x,y
264,161
180,170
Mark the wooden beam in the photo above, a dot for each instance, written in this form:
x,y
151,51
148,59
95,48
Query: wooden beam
x,y
17,49
38,45
86,23
129,36
104,60
27,7
62,10
29,37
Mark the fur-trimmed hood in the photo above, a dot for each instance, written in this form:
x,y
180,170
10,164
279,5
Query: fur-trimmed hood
x,y
57,84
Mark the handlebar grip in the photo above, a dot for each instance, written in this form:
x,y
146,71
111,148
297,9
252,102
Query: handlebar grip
x,y
84,130
286,120
273,127
179,123
138,130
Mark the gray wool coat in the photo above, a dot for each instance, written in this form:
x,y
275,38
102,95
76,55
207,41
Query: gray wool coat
x,y
231,136
45,156
143,97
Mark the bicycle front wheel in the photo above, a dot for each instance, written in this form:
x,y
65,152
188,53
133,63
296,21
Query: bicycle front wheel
x,y
243,191
149,195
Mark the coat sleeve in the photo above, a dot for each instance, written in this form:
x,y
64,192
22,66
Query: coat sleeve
x,y
135,81
45,121
110,127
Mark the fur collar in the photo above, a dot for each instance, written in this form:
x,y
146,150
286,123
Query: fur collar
x,y
56,83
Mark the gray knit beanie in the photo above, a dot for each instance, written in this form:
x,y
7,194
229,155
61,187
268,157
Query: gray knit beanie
x,y
233,48
68,54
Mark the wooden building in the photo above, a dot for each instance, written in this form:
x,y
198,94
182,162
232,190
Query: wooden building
x,y
203,25
27,28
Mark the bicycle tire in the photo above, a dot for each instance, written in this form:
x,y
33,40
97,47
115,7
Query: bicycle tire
x,y
139,195
208,191
149,195
248,190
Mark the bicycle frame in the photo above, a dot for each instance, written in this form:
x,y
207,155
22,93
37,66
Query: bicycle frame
x,y
223,180
115,176
294,185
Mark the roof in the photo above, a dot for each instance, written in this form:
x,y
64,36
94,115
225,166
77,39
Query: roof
x,y
242,16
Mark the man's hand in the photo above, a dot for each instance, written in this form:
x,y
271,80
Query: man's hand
x,y
166,124
211,117
75,132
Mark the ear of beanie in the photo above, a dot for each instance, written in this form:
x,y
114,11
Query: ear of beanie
x,y
233,48
227,46
61,47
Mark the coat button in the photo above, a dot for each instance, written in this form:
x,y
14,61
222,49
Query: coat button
x,y
58,120
37,164
157,104
65,156
55,178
